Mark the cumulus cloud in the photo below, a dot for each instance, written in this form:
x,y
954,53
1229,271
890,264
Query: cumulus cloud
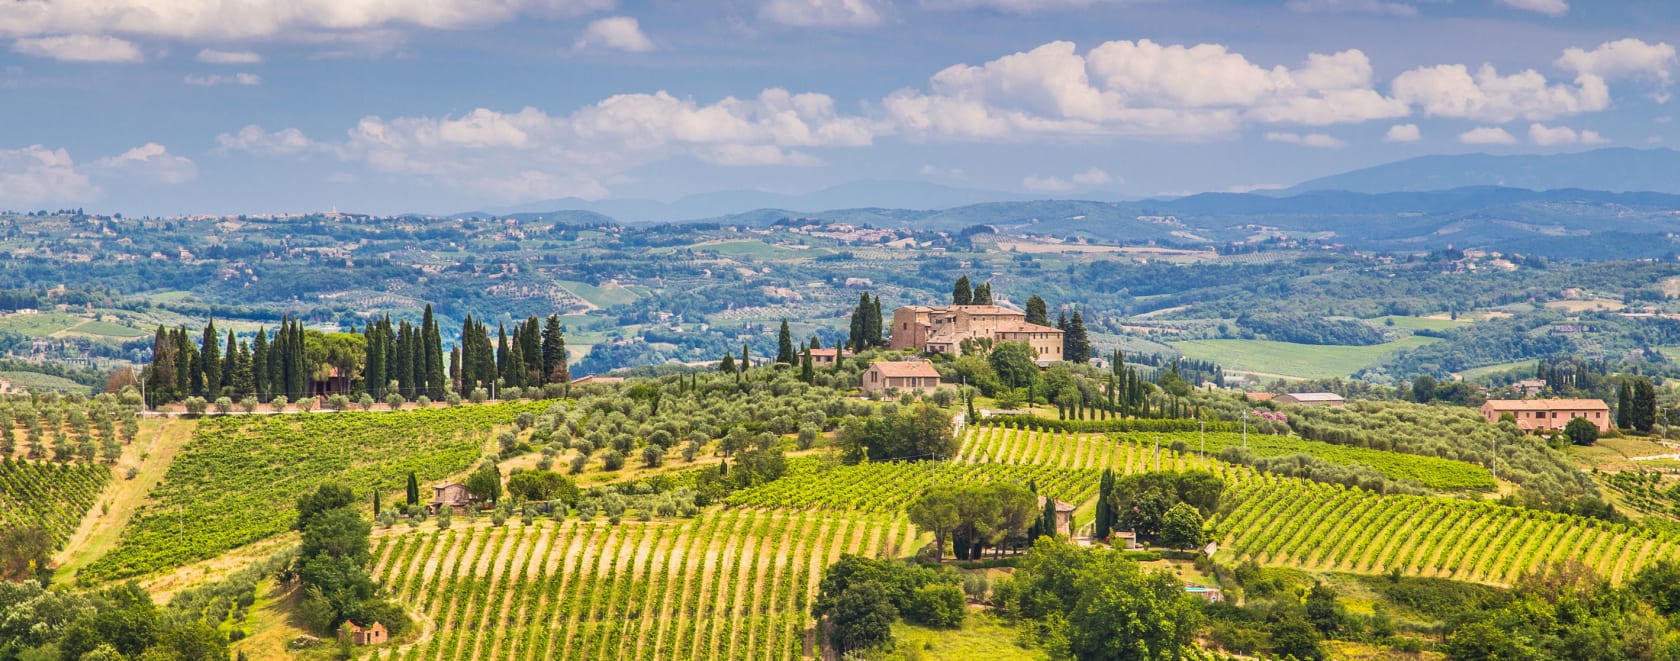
x,y
1353,6
1318,140
78,47
1547,7
213,56
1562,135
621,33
1403,133
1136,88
1621,59
1018,6
532,154
212,80
1450,90
35,176
150,161
1487,135
257,140
1092,178
244,19
822,13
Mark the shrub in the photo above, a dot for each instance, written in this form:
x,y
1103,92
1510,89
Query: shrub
x,y
479,395
612,459
224,405
279,403
249,404
366,402
306,404
423,401
394,401
195,405
936,605
338,402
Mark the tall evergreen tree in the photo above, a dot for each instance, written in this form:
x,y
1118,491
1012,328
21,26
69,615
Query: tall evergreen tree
x,y
961,292
433,343
160,375
210,359
562,367
504,358
1644,416
1077,341
983,293
1624,406
727,365
1037,311
784,345
373,366
297,375
859,336
1105,509
552,349
876,338
188,378
530,347
455,378
405,360
807,370
413,491
229,358
516,362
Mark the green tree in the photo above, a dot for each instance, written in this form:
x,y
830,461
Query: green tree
x,y
485,484
961,292
1624,406
324,498
1013,364
936,512
1581,431
1181,527
862,618
727,365
784,346
940,605
1037,311
1323,611
1076,343
413,490
983,293
1644,415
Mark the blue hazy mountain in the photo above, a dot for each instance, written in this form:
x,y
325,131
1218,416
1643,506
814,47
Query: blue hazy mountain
x,y
1616,169
879,194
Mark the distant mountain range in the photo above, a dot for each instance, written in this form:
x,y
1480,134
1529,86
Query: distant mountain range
x,y
881,194
1616,169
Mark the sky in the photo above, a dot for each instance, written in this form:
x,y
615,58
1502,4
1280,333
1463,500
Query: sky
x,y
170,107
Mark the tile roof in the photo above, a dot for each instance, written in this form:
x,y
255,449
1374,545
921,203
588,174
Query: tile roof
x,y
1546,404
906,368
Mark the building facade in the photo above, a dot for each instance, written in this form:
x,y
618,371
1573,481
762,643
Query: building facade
x,y
1310,399
907,375
1548,414
943,329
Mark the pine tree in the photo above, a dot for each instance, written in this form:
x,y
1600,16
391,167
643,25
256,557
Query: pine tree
x,y
961,293
727,365
1037,311
784,345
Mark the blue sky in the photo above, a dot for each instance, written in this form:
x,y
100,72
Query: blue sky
x,y
224,106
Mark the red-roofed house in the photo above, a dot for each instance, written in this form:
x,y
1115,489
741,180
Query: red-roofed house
x,y
914,375
1533,414
824,357
943,329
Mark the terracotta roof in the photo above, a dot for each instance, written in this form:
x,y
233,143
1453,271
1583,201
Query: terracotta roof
x,y
1024,327
1546,404
823,352
986,309
1260,396
1060,506
906,368
1313,396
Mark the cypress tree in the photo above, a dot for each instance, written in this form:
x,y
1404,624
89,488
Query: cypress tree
x,y
413,490
807,371
516,362
530,345
160,375
244,375
455,367
562,368
504,359
874,319
961,293
210,359
373,370
405,361
1105,512
1624,406
297,374
1644,416
1037,311
553,349
784,345
433,344
746,358
229,361
983,293
859,327
185,373
376,503
1078,341
727,365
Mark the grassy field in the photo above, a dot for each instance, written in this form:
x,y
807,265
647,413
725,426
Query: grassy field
x,y
1420,323
107,329
982,636
1309,361
606,295
1487,370
39,325
38,381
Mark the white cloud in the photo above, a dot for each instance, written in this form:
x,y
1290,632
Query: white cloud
x,y
243,19
1136,88
1318,140
1018,6
78,47
1487,135
1625,58
1046,184
531,154
1562,135
1450,90
931,170
256,140
1093,177
1403,133
35,176
822,13
150,161
620,33
211,80
213,56
1547,7
1353,6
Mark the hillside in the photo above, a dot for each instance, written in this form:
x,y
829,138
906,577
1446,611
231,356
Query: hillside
x,y
1613,169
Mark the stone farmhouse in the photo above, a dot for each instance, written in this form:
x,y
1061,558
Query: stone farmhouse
x,y
943,329
1064,516
1548,414
452,494
372,634
905,375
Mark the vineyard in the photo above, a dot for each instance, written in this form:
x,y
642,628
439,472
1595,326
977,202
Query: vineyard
x,y
1283,521
733,584
236,481
1131,452
56,496
888,487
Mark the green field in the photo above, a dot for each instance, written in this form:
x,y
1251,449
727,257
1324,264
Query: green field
x,y
1486,370
39,325
38,381
606,295
108,329
1419,323
1308,361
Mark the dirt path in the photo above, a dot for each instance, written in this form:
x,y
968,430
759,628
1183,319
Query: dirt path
x,y
151,452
